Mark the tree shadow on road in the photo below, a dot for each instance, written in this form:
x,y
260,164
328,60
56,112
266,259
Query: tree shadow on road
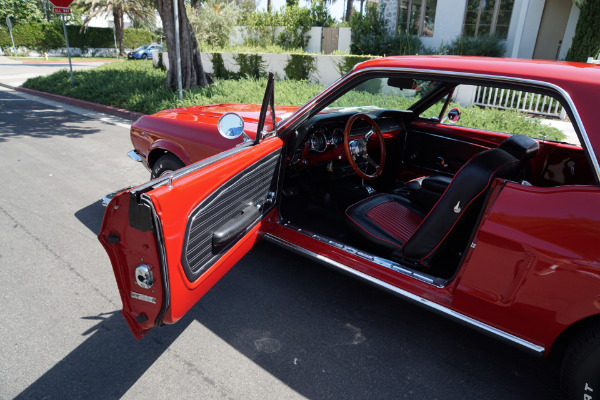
x,y
24,118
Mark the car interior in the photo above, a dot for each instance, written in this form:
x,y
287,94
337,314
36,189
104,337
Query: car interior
x,y
414,188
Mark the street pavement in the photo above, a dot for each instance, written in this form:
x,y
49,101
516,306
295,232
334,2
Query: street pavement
x,y
276,327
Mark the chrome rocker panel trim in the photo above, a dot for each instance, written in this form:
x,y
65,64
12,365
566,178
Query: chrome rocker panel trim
x,y
135,156
447,312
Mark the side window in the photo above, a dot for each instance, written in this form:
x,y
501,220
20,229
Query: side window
x,y
511,111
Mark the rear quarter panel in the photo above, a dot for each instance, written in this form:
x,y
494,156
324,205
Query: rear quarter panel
x,y
535,269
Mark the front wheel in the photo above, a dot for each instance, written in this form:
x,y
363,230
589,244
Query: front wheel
x,y
144,56
580,373
166,164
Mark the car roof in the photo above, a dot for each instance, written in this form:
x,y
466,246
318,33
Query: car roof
x,y
579,81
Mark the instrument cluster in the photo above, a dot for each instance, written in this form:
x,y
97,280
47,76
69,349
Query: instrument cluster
x,y
322,138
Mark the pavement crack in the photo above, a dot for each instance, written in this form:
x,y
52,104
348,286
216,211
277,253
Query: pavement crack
x,y
56,255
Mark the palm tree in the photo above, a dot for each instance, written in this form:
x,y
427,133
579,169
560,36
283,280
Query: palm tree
x,y
134,9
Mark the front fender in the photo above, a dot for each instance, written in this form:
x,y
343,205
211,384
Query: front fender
x,y
171,147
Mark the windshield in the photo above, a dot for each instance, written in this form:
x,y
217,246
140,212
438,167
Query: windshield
x,y
385,93
144,47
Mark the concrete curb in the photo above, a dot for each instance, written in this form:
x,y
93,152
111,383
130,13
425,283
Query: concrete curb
x,y
119,112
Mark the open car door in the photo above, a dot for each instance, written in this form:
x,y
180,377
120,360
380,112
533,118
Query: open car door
x,y
171,239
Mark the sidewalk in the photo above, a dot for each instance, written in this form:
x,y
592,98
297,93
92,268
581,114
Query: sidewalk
x,y
14,73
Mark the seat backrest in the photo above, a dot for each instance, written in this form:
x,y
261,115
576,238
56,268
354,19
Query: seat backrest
x,y
464,195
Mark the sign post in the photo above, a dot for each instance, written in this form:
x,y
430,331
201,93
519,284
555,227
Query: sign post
x,y
11,36
62,7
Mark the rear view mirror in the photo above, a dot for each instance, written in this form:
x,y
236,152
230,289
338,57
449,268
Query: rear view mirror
x,y
401,83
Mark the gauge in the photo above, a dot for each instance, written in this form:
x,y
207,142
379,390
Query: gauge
x,y
318,141
338,137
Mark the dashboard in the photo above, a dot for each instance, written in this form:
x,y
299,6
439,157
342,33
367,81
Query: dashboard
x,y
321,139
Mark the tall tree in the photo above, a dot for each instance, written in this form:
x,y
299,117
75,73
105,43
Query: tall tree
x,y
586,42
348,13
192,71
134,9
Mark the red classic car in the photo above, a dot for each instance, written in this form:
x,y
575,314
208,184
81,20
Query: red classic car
x,y
381,177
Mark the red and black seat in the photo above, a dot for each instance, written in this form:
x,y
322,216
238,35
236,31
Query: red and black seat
x,y
405,227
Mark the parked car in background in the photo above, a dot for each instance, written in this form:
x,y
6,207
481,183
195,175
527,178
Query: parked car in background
x,y
144,52
380,177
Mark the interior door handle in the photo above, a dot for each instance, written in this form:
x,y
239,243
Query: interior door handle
x,y
441,162
235,226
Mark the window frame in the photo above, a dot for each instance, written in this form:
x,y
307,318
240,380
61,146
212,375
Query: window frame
x,y
494,23
421,17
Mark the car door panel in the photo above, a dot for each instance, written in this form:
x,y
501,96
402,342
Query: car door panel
x,y
171,230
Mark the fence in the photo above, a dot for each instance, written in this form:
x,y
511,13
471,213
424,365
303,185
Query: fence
x,y
530,103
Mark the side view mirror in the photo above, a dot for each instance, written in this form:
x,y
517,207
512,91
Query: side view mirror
x,y
230,126
453,115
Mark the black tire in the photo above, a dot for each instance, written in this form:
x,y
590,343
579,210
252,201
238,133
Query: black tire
x,y
580,373
144,56
166,164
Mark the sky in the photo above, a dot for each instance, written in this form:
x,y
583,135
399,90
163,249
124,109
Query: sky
x,y
336,9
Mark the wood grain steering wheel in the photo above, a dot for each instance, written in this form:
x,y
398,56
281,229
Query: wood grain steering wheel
x,y
357,148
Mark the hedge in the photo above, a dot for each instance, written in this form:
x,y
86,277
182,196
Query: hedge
x,y
45,36
586,42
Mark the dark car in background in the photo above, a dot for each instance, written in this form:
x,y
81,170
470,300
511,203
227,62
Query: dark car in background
x,y
144,52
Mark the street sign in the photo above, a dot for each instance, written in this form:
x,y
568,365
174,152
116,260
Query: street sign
x,y
8,23
61,3
62,10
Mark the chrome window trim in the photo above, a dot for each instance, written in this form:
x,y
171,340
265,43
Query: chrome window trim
x,y
445,311
304,111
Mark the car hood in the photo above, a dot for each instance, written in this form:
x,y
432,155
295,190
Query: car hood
x,y
195,116
249,112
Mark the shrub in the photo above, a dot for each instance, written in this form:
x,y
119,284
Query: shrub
x,y
371,36
251,66
45,36
299,67
212,22
369,31
296,22
348,62
219,70
586,42
488,46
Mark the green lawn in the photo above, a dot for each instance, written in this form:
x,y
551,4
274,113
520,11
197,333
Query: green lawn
x,y
137,86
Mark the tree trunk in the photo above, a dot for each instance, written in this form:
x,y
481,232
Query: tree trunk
x,y
192,71
119,29
349,10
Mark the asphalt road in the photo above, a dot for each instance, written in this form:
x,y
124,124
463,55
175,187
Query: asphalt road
x,y
276,327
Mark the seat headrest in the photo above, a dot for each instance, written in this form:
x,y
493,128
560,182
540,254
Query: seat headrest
x,y
521,147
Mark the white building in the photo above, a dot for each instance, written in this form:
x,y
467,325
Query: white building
x,y
541,29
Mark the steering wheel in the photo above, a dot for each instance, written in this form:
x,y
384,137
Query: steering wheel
x,y
357,148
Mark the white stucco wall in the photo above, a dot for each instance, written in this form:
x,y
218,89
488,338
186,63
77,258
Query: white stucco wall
x,y
525,24
449,17
569,32
325,74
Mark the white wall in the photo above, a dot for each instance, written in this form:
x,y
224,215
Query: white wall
x,y
236,38
525,24
449,17
325,74
569,32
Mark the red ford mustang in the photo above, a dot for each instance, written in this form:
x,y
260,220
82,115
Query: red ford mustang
x,y
381,177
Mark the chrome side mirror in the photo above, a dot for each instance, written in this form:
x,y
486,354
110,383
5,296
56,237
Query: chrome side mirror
x,y
230,126
453,115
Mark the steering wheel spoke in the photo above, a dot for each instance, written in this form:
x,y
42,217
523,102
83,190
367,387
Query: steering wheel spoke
x,y
357,148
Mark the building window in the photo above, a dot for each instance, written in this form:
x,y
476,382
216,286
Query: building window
x,y
488,18
416,17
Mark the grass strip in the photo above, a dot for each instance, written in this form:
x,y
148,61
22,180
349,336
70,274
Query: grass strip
x,y
137,86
